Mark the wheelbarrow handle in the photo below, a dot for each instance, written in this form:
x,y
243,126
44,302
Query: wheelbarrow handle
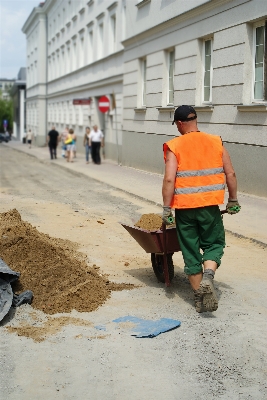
x,y
165,262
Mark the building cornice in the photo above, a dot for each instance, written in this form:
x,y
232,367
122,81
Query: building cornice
x,y
37,11
252,107
36,14
142,3
100,16
93,85
174,21
113,5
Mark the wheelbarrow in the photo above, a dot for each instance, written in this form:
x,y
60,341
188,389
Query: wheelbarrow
x,y
161,243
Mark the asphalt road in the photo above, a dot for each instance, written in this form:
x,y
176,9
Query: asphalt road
x,y
218,355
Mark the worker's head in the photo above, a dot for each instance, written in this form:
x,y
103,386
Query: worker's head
x,y
95,128
87,129
71,131
185,118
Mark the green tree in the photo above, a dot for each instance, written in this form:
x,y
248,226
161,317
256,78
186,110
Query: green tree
x,y
6,112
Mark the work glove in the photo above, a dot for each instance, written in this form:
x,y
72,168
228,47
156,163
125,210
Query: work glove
x,y
167,216
233,207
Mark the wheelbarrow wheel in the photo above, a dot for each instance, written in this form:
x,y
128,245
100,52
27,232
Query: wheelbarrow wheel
x,y
157,265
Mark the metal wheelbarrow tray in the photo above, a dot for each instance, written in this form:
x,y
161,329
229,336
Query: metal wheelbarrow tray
x,y
161,244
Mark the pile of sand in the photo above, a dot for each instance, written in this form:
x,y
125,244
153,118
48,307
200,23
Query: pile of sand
x,y
150,222
52,268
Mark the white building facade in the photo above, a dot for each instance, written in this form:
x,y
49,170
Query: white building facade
x,y
75,52
153,55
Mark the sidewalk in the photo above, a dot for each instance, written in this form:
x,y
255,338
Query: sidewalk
x,y
251,222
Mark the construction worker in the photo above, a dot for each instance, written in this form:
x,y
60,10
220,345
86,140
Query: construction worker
x,y
196,168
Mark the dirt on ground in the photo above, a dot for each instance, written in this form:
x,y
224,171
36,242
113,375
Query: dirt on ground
x,y
38,327
150,222
52,268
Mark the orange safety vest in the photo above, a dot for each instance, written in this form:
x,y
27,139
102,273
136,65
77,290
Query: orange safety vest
x,y
200,178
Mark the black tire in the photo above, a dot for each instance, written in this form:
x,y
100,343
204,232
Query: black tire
x,y
157,265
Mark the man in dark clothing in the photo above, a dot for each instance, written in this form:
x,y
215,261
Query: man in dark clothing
x,y
52,140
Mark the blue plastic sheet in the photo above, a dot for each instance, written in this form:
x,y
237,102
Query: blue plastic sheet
x,y
147,328
100,327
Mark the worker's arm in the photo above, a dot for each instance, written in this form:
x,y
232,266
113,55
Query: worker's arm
x,y
233,205
231,181
169,178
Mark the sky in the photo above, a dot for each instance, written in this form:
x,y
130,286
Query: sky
x,y
13,14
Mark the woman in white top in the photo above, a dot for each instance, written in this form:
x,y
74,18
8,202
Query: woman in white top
x,y
96,140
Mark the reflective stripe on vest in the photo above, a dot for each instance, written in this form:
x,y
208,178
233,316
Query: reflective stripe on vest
x,y
199,189
199,172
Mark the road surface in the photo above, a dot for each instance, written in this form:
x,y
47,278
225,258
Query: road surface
x,y
218,355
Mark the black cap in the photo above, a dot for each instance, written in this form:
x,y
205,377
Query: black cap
x,y
181,113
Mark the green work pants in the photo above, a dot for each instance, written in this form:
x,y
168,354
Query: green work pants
x,y
200,229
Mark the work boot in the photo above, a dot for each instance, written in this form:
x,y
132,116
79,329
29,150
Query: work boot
x,y
207,289
198,296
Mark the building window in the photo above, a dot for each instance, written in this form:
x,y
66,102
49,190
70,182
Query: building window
x,y
80,115
90,46
113,33
100,40
259,63
74,56
124,20
143,72
63,67
81,52
170,98
58,65
68,59
207,70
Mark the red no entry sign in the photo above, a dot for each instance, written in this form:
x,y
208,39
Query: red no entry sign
x,y
103,104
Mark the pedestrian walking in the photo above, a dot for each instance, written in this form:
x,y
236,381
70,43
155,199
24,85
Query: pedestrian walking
x,y
70,145
96,140
63,137
86,140
74,147
29,138
52,141
196,168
